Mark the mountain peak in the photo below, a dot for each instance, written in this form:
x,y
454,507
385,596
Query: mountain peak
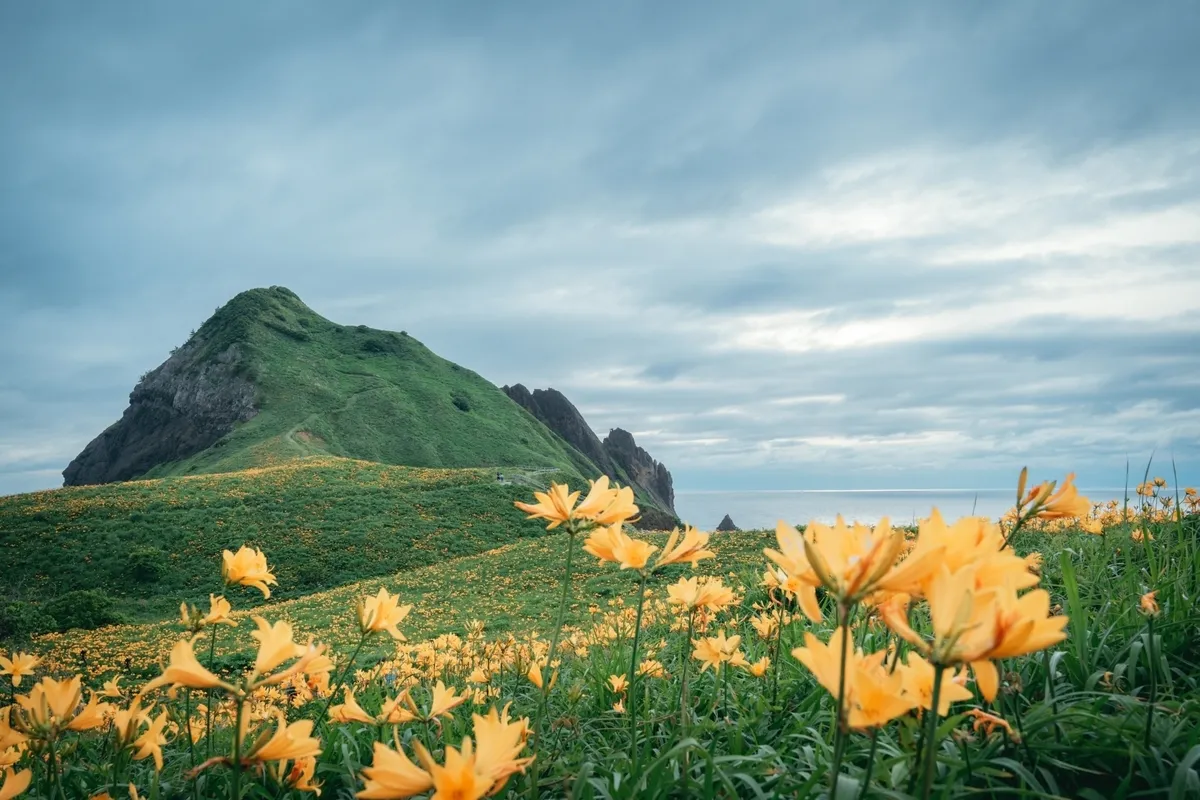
x,y
266,379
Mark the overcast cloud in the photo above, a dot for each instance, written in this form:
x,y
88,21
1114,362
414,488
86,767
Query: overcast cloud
x,y
788,245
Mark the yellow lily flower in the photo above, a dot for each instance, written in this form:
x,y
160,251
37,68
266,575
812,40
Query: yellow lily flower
x,y
392,776
712,651
851,562
535,676
127,721
184,670
219,610
691,548
1148,604
397,710
275,645
51,702
14,783
555,506
93,715
20,664
499,742
350,711
605,506
458,778
288,742
443,701
1046,503
9,737
873,695
613,544
247,567
917,676
764,625
150,743
300,777
382,613
618,683
759,668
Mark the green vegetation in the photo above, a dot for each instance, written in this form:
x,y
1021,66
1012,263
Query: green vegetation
x,y
323,522
512,588
1080,714
357,392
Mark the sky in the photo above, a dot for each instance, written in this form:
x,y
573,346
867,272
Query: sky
x,y
788,245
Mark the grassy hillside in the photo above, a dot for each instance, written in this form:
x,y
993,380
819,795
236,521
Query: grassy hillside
x,y
321,521
357,392
512,587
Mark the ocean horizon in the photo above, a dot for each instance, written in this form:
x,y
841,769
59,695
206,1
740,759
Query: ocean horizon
x,y
762,508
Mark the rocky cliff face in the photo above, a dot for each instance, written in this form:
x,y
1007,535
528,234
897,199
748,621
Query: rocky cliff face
x,y
643,470
617,453
560,415
177,410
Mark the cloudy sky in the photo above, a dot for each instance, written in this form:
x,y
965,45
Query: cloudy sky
x,y
788,245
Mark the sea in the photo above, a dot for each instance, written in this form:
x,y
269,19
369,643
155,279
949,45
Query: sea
x,y
763,508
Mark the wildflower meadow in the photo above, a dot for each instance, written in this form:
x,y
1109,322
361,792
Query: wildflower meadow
x,y
1051,653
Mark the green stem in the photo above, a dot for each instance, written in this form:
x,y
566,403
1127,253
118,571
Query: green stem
x,y
839,742
208,719
685,699
55,779
633,662
236,793
1016,527
562,600
1153,680
187,710
775,659
341,678
725,690
931,731
543,702
866,782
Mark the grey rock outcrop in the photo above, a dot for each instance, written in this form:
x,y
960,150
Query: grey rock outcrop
x,y
560,415
177,410
643,470
727,524
617,454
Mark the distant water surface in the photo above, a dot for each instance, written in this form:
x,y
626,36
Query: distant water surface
x,y
762,509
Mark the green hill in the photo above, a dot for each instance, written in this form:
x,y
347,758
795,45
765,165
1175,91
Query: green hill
x,y
87,555
513,587
266,379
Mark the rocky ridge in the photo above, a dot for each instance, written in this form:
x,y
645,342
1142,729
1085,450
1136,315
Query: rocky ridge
x,y
180,408
617,454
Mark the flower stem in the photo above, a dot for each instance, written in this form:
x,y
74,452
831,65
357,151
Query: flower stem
x,y
1153,679
633,663
931,731
187,710
725,690
839,742
208,738
341,678
866,782
55,778
543,702
685,699
562,600
775,659
236,793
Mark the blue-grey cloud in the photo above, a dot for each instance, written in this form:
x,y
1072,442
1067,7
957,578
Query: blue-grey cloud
x,y
797,245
